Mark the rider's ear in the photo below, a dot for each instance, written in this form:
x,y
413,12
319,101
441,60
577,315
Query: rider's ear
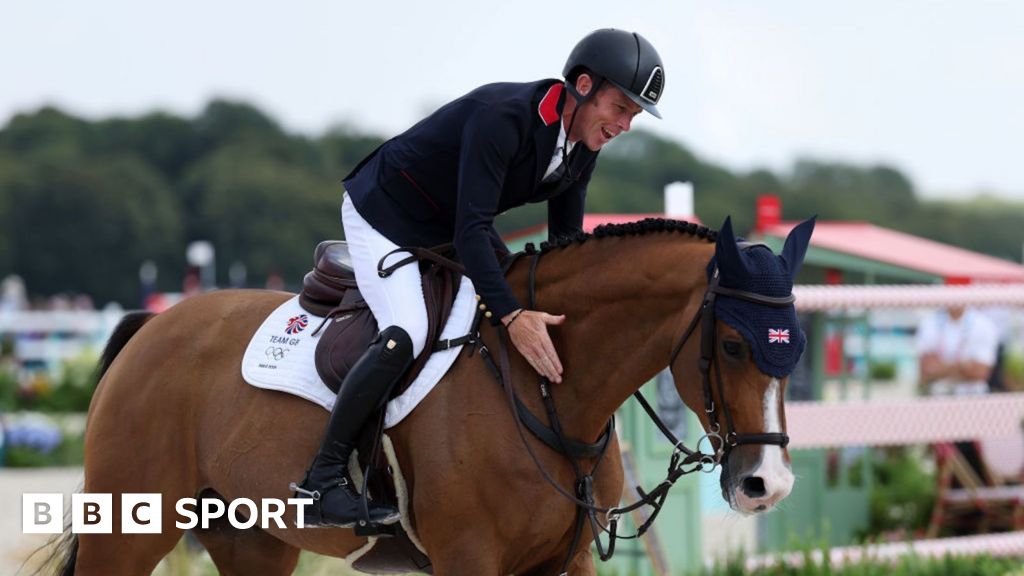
x,y
727,254
584,84
796,245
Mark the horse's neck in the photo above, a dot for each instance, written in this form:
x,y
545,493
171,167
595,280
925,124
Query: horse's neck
x,y
626,300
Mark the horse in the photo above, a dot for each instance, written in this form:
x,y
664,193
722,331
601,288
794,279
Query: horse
x,y
172,415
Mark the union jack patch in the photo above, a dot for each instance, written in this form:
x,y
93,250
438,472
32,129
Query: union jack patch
x,y
296,324
778,336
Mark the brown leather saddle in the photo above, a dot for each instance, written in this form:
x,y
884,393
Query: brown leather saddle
x,y
330,291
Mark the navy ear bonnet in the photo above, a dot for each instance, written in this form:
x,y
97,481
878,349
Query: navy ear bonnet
x,y
774,334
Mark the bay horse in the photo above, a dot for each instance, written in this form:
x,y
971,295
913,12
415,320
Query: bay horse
x,y
172,415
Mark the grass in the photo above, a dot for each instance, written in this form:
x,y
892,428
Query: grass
x,y
908,565
185,562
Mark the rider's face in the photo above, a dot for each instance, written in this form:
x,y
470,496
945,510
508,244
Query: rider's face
x,y
603,117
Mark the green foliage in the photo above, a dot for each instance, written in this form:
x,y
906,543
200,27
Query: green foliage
x,y
8,391
909,565
837,191
167,143
84,203
903,492
882,370
85,225
286,209
72,391
1013,369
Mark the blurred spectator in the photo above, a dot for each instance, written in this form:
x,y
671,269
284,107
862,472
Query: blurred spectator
x,y
12,294
956,350
275,281
82,302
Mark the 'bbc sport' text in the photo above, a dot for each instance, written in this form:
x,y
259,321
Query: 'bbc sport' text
x,y
43,513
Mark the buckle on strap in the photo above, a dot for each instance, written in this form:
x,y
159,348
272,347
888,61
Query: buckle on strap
x,y
449,343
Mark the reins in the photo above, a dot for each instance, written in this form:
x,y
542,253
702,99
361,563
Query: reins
x,y
682,461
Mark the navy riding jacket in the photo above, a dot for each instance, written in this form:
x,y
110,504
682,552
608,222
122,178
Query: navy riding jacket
x,y
446,178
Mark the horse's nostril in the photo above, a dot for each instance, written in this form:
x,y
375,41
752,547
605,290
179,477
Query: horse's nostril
x,y
753,487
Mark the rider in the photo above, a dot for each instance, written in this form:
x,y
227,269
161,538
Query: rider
x,y
444,180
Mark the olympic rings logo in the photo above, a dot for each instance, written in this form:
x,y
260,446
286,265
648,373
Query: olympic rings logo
x,y
275,353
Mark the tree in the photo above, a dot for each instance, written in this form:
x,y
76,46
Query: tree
x,y
167,143
86,226
263,212
46,132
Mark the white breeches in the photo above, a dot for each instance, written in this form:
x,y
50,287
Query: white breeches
x,y
396,300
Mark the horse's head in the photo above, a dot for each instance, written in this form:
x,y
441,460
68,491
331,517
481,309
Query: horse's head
x,y
750,343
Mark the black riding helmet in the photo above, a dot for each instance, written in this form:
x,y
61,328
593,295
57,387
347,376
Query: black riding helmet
x,y
626,59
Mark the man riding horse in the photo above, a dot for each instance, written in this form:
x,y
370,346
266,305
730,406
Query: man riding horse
x,y
444,180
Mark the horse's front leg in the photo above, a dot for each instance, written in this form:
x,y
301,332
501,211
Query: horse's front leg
x,y
468,555
583,563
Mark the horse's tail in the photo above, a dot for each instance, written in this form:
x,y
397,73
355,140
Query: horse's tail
x,y
63,550
60,551
124,331
69,546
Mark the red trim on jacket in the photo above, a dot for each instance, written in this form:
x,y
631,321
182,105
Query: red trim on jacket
x,y
548,107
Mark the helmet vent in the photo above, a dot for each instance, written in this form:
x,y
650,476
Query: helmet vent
x,y
654,86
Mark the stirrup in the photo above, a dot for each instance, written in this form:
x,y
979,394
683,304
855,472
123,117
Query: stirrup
x,y
314,494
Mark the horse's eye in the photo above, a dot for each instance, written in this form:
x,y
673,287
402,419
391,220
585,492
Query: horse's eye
x,y
733,348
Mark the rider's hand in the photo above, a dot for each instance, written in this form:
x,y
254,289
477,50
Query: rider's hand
x,y
528,330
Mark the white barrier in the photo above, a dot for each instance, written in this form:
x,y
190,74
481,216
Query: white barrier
x,y
915,421
76,321
821,297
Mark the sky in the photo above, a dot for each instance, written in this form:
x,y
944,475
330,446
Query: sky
x,y
934,88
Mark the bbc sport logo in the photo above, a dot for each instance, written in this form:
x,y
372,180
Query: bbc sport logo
x,y
43,513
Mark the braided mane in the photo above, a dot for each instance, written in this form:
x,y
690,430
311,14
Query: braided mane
x,y
638,228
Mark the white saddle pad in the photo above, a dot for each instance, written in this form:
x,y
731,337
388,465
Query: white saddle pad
x,y
280,355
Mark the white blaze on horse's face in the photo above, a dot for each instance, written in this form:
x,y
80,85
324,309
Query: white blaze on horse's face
x,y
771,479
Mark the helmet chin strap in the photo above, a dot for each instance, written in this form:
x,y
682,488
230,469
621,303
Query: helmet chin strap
x,y
580,101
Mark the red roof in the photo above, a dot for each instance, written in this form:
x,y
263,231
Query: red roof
x,y
591,221
866,240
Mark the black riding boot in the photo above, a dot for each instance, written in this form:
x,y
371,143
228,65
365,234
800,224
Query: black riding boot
x,y
366,387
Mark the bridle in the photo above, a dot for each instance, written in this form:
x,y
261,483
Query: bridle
x,y
706,316
682,461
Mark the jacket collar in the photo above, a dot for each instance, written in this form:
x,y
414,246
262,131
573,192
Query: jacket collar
x,y
550,106
549,121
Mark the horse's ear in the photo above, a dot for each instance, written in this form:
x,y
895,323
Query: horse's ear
x,y
727,254
796,245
